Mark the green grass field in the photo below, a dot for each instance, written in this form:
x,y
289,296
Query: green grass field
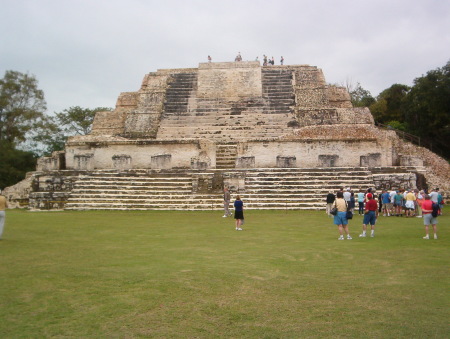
x,y
191,275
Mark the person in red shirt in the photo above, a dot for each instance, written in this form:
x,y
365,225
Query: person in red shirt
x,y
370,215
427,208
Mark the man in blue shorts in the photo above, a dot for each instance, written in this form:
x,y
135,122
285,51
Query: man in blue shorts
x,y
370,215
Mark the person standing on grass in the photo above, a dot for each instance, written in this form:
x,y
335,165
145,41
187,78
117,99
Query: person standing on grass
x,y
361,202
427,209
440,202
226,203
386,201
398,203
340,219
419,201
370,216
330,201
239,213
410,203
3,206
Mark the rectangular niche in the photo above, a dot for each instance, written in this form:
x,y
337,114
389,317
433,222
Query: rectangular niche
x,y
161,161
84,161
286,162
245,162
370,160
328,160
122,161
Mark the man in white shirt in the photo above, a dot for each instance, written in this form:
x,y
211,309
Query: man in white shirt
x,y
434,195
347,195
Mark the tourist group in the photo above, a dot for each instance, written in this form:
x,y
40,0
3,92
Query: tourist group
x,y
408,203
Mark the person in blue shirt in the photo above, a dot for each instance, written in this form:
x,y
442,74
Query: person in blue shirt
x,y
361,202
386,202
239,213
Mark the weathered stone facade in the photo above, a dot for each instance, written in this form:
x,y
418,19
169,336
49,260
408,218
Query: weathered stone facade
x,y
220,124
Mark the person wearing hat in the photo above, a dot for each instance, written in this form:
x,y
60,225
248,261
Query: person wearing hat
x,y
3,206
370,215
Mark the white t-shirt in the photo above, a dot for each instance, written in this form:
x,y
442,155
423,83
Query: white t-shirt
x,y
347,196
434,196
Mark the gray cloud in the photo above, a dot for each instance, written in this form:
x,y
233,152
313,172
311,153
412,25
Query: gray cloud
x,y
86,52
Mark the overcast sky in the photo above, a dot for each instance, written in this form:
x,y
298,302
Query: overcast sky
x,y
85,52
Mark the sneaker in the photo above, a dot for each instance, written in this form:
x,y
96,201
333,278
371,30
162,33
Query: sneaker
x,y
426,237
362,235
372,235
341,237
349,237
239,229
384,215
419,216
435,236
224,216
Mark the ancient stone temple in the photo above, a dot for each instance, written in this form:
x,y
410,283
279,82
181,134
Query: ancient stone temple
x,y
280,136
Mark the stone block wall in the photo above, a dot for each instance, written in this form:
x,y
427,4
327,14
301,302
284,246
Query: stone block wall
x,y
55,162
395,181
312,154
339,97
230,80
139,154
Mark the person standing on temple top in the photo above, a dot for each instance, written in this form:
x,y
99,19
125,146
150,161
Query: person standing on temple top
x,y
370,216
282,61
226,203
340,219
239,213
238,57
273,61
209,58
3,207
264,60
330,200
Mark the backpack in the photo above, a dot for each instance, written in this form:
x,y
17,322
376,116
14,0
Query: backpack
x,y
435,208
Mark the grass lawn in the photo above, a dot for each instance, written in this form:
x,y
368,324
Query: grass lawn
x,y
191,275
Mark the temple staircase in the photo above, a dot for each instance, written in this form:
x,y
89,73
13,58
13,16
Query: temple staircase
x,y
283,188
226,155
187,116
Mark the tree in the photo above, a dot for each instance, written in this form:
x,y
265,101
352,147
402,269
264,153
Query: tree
x,y
359,96
389,105
22,106
14,164
77,120
427,108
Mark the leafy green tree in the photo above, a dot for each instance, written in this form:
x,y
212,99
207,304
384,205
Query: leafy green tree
x,y
359,96
47,137
389,105
427,109
22,106
14,164
77,120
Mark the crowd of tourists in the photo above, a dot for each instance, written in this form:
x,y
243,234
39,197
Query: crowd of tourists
x,y
399,203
